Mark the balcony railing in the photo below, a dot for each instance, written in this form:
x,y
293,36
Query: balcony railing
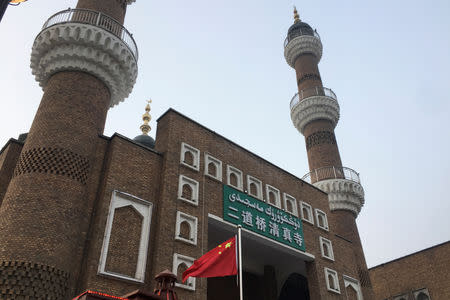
x,y
299,32
86,16
311,92
332,173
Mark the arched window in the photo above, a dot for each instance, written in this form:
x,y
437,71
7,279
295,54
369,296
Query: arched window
x,y
331,282
272,198
180,264
180,270
422,296
212,169
289,206
187,192
185,230
188,158
326,251
233,179
253,189
306,214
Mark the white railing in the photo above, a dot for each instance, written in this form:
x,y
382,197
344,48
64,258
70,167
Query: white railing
x,y
311,92
300,32
95,18
332,173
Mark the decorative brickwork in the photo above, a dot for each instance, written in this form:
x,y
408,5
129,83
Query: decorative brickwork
x,y
364,277
320,137
54,161
308,77
24,280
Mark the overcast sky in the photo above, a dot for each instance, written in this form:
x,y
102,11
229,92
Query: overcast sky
x,y
221,63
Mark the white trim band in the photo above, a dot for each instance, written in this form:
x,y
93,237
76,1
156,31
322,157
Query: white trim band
x,y
86,48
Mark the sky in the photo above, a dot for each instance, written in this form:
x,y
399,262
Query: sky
x,y
221,63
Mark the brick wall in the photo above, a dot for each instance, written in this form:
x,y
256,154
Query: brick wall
x,y
428,269
8,160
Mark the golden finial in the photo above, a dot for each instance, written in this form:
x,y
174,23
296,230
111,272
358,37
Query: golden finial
x,y
296,16
146,118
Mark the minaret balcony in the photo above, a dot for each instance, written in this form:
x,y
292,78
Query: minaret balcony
x,y
343,186
302,41
313,104
87,41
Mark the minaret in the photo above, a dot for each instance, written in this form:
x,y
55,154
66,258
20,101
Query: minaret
x,y
315,113
86,62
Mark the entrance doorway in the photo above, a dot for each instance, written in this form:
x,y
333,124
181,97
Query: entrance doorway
x,y
272,271
295,288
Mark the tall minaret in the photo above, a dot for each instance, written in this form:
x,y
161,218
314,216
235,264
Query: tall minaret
x,y
86,62
315,113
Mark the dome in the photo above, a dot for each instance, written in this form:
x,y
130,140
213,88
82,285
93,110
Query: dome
x,y
145,140
299,29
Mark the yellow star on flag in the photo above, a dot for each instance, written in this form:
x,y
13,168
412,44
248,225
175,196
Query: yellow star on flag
x,y
228,245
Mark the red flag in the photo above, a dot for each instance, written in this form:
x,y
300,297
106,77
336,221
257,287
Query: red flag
x,y
220,261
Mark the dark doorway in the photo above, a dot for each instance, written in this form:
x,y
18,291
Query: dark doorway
x,y
295,288
225,288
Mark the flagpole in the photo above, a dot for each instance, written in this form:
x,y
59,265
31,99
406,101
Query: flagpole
x,y
241,293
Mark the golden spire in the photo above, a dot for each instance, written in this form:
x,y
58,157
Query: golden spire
x,y
146,118
296,16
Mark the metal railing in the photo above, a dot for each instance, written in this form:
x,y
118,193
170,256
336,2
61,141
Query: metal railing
x,y
332,173
86,16
299,32
311,92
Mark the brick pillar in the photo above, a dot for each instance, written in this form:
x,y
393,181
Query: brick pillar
x,y
45,213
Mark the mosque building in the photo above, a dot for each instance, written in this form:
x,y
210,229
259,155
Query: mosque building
x,y
82,211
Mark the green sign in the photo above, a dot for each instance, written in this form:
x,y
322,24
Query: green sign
x,y
262,218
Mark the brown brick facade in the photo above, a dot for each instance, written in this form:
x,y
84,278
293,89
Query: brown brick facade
x,y
8,160
427,269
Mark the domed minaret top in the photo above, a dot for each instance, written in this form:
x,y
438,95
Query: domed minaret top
x,y
144,138
301,39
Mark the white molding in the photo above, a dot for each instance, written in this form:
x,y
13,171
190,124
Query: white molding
x,y
349,281
144,208
259,187
177,260
309,209
86,48
239,175
302,45
318,213
217,163
343,194
322,241
194,186
286,198
193,226
334,274
276,191
314,108
195,153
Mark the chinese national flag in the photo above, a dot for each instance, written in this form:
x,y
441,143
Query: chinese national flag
x,y
220,261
